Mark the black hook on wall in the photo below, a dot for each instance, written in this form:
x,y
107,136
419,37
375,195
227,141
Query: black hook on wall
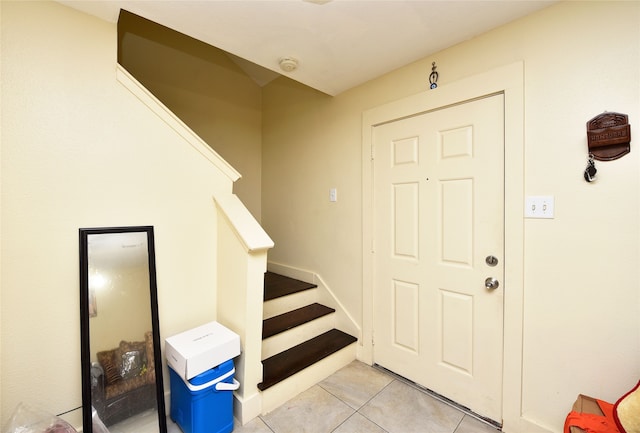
x,y
433,77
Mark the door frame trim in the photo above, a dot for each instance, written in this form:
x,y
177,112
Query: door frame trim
x,y
508,80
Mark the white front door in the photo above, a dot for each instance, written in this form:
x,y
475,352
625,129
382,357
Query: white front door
x,y
438,242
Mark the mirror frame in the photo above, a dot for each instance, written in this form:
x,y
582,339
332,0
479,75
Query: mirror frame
x,y
84,233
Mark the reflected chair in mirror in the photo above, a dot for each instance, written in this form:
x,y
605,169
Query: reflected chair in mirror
x,y
123,380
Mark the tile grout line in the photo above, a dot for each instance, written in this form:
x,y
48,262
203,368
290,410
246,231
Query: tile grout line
x,y
357,411
393,378
368,401
458,407
458,426
264,421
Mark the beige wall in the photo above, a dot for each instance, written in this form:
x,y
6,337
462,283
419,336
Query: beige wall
x,y
80,150
581,269
207,90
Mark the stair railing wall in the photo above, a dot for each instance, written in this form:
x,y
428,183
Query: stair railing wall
x,y
242,247
242,262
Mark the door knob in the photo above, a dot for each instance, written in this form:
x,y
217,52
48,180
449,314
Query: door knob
x,y
491,283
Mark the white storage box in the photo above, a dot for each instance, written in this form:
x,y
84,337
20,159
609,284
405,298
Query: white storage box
x,y
200,349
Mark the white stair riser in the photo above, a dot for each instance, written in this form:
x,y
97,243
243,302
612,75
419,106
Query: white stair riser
x,y
287,303
280,393
292,337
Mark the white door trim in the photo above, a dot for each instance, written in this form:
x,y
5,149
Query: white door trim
x,y
508,80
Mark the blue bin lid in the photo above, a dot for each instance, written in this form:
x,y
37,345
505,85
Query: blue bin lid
x,y
212,373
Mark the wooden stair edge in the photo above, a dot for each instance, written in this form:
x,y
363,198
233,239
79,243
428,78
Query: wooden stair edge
x,y
291,361
289,320
276,286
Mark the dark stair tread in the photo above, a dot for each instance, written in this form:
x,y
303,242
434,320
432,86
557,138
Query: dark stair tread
x,y
276,285
293,318
285,364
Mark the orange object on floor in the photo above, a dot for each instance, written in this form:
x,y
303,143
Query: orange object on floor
x,y
591,415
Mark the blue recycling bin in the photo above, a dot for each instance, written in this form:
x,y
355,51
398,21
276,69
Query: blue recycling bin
x,y
204,403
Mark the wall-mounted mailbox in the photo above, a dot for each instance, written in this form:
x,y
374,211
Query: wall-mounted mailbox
x,y
609,136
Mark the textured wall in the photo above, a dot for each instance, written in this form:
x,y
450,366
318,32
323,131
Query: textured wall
x,y
581,275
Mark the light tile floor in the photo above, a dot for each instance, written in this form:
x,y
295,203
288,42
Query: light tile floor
x,y
363,399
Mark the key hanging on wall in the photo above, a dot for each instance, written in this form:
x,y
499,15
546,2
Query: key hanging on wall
x,y
590,171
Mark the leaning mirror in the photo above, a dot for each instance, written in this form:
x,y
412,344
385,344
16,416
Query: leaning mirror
x,y
122,387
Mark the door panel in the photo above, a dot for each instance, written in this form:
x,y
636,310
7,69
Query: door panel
x,y
438,212
405,220
405,313
457,330
456,202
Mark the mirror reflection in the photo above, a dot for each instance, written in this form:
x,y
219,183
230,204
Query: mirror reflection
x,y
122,369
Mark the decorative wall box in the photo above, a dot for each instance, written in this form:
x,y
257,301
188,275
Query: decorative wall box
x,y
609,136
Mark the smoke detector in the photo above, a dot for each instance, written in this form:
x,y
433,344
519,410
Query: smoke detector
x,y
288,64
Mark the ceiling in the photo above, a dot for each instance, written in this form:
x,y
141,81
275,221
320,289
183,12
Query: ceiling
x,y
338,44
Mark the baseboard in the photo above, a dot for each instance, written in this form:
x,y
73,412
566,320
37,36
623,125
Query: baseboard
x,y
244,410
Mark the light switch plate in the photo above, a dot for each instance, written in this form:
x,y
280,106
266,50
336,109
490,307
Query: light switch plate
x,y
333,195
539,206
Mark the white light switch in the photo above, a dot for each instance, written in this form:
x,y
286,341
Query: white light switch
x,y
539,206
333,194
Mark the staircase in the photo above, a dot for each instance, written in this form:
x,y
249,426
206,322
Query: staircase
x,y
300,345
